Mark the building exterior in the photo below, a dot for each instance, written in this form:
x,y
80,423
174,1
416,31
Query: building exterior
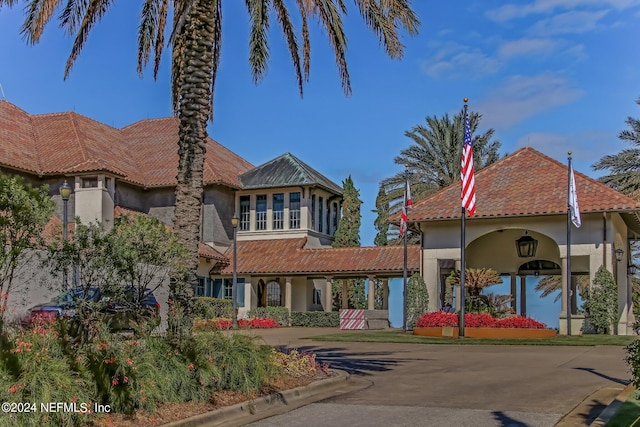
x,y
526,193
288,212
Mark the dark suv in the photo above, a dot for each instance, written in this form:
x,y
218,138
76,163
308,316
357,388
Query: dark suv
x,y
130,308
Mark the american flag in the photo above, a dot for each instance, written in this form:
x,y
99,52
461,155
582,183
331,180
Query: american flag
x,y
466,170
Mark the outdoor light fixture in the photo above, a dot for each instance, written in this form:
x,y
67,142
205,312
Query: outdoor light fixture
x,y
632,269
234,303
526,246
619,253
65,194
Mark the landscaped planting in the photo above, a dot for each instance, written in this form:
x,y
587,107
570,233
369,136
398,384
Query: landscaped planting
x,y
224,324
48,363
473,320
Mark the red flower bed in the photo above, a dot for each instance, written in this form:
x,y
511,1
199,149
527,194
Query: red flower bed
x,y
472,320
222,324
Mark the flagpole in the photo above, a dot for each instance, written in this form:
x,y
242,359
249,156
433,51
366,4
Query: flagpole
x,y
463,255
568,272
404,267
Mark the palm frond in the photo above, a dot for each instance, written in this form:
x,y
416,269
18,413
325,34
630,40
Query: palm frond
x,y
288,29
258,41
39,12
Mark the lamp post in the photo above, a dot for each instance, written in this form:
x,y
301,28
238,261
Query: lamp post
x,y
65,194
234,303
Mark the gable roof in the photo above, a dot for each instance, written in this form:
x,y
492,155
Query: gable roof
x,y
286,171
284,256
525,183
144,153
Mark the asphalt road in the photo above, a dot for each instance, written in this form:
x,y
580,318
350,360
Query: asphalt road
x,y
458,385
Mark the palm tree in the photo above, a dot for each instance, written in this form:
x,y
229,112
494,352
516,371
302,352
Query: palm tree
x,y
433,159
196,37
624,166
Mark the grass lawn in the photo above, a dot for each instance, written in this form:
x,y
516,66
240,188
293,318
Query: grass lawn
x,y
400,337
628,414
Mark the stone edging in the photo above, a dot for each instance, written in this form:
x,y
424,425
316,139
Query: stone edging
x,y
613,407
246,412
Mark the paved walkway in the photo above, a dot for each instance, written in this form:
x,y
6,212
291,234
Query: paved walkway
x,y
458,385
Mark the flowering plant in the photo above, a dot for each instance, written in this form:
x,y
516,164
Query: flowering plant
x,y
473,320
223,323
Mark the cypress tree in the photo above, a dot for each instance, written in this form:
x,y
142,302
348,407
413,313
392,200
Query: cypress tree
x,y
382,220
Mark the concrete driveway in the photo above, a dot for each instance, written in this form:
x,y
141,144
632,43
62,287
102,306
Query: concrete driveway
x,y
458,385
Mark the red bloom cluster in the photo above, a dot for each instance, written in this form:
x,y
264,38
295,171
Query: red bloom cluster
x,y
436,319
482,320
222,324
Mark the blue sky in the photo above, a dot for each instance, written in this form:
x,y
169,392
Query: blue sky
x,y
557,75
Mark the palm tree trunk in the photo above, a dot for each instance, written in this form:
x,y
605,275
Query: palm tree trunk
x,y
194,108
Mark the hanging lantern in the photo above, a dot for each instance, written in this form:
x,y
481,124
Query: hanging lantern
x,y
526,246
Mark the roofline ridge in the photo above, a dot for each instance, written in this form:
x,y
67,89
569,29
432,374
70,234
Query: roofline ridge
x,y
155,119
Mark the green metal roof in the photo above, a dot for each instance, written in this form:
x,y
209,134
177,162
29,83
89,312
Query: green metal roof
x,y
286,171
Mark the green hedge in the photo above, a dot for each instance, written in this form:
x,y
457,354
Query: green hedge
x,y
211,308
279,314
325,319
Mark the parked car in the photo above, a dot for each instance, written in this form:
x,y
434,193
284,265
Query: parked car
x,y
133,309
63,305
128,309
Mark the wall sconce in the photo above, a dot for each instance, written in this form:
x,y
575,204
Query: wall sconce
x,y
632,269
526,246
619,254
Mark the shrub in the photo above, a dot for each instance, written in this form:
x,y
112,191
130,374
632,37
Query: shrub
x,y
417,299
327,319
633,360
35,369
299,364
602,305
472,320
279,314
202,325
211,308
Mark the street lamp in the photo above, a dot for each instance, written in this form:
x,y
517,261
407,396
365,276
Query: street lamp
x,y
65,194
234,303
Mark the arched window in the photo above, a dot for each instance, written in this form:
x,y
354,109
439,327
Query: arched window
x,y
273,294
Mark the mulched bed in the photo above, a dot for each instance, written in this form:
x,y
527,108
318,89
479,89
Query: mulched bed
x,y
176,411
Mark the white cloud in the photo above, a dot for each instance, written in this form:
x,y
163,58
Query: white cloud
x,y
514,11
587,147
454,61
574,22
521,97
527,46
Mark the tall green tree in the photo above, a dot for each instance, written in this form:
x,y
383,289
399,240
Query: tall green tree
x,y
196,39
348,233
348,236
624,167
432,161
24,211
381,222
602,303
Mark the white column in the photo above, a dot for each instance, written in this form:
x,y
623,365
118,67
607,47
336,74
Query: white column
x,y
370,293
328,301
287,293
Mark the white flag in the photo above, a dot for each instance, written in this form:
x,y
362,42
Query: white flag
x,y
573,201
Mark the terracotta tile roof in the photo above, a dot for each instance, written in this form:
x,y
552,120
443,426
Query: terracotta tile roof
x,y
284,256
526,183
144,153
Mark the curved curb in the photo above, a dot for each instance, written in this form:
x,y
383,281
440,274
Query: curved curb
x,y
613,407
266,406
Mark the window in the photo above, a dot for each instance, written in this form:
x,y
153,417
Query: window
x,y
278,211
273,294
261,212
201,287
317,296
320,213
335,217
227,290
91,182
313,212
294,210
223,288
245,212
